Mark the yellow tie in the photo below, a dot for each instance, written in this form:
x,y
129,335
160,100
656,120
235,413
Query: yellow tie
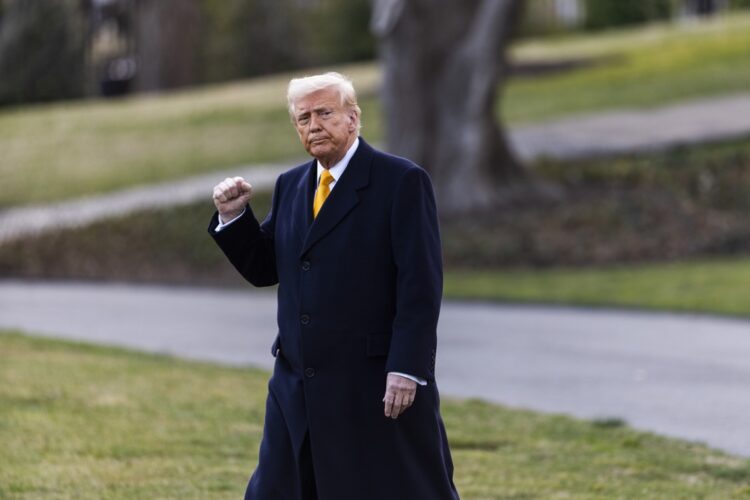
x,y
322,192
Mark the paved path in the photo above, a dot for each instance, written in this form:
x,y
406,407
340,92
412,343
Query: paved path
x,y
680,375
580,136
637,130
23,221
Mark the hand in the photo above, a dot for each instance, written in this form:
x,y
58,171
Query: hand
x,y
399,395
231,196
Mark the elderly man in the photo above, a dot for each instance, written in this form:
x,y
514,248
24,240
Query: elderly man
x,y
352,240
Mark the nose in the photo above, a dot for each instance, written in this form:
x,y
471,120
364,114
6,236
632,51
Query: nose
x,y
314,124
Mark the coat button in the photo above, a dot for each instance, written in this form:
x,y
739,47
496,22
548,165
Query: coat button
x,y
305,319
309,372
306,265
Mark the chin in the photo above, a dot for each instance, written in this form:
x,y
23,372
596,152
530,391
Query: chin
x,y
319,151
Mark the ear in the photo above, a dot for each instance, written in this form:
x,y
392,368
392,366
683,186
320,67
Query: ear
x,y
352,120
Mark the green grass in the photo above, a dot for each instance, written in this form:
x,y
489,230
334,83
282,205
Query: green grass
x,y
72,149
710,286
60,151
660,64
84,422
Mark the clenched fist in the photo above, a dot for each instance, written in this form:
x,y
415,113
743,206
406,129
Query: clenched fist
x,y
230,197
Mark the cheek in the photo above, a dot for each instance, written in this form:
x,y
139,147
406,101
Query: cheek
x,y
342,128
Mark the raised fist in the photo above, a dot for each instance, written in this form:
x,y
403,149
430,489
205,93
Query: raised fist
x,y
230,197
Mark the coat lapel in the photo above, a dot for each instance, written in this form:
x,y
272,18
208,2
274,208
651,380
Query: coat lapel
x,y
302,208
343,198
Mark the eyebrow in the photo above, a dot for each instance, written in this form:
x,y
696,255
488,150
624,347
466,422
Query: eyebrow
x,y
314,110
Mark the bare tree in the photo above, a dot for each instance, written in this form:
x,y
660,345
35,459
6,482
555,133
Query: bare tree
x,y
443,63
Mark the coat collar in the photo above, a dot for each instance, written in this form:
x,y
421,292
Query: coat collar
x,y
342,199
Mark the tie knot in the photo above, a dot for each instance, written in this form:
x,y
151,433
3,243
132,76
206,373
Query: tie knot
x,y
326,178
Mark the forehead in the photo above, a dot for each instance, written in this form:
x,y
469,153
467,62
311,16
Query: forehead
x,y
328,97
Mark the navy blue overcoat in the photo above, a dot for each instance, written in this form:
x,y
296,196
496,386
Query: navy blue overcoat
x,y
359,296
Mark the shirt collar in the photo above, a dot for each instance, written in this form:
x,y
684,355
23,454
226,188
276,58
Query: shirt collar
x,y
338,169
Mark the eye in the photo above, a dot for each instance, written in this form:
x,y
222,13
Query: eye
x,y
303,120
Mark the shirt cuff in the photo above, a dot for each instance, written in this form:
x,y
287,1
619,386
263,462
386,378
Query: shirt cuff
x,y
418,380
222,225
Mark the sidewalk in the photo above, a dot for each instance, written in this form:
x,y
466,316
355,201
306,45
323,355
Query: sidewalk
x,y
628,131
23,221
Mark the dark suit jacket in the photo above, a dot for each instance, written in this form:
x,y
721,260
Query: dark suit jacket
x,y
359,296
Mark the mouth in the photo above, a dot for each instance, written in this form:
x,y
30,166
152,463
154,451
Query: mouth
x,y
317,141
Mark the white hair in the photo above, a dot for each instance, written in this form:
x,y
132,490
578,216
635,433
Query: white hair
x,y
301,87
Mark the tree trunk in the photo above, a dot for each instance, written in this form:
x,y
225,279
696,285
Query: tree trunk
x,y
167,37
443,63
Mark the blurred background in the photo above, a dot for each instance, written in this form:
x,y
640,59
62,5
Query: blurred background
x,y
583,152
612,134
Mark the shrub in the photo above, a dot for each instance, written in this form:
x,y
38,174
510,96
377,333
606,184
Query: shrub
x,y
42,51
601,14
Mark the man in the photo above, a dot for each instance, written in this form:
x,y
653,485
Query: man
x,y
352,241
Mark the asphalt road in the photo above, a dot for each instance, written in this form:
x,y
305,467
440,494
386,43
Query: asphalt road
x,y
679,375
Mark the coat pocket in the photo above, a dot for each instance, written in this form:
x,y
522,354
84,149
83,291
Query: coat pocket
x,y
378,345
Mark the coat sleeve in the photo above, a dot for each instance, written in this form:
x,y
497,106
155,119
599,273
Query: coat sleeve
x,y
249,245
416,250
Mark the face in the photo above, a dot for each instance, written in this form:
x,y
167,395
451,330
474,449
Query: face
x,y
326,128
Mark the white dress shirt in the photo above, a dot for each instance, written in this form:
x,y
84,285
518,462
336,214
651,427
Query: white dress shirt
x,y
336,171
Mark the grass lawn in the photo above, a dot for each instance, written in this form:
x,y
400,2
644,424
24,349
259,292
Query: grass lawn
x,y
711,286
71,149
59,151
660,64
85,422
